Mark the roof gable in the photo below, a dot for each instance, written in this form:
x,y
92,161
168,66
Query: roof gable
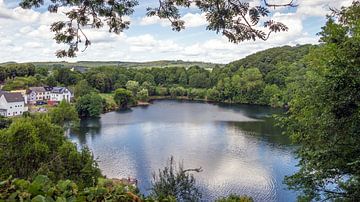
x,y
13,97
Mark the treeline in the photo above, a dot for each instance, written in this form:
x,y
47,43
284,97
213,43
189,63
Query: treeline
x,y
16,70
265,77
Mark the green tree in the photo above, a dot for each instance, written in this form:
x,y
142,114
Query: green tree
x,y
83,88
3,74
175,181
132,86
199,80
64,114
323,118
51,81
162,91
143,95
90,105
213,94
43,71
5,122
33,145
123,98
66,76
148,86
272,96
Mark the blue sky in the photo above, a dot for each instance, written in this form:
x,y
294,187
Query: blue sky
x,y
25,35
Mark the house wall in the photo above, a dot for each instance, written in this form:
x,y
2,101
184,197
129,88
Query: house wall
x,y
61,96
13,108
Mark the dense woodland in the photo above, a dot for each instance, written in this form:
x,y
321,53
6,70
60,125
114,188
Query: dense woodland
x,y
319,86
262,78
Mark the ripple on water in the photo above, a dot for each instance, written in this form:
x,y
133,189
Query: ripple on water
x,y
238,155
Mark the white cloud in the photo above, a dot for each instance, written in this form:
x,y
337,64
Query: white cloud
x,y
319,7
194,20
154,20
22,31
33,45
190,19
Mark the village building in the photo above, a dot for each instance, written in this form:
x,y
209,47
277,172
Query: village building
x,y
53,94
23,93
12,104
59,94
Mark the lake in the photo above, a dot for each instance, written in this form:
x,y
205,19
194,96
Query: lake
x,y
237,146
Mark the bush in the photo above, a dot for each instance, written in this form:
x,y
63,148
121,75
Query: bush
x,y
196,93
20,83
161,91
43,189
143,95
213,94
235,198
90,105
33,146
175,181
177,91
123,98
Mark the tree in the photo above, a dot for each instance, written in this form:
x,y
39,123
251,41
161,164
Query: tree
x,y
132,86
236,20
148,86
51,81
3,74
213,94
90,105
64,114
66,76
4,122
33,145
323,118
43,71
175,181
199,80
272,96
143,95
162,91
83,88
123,98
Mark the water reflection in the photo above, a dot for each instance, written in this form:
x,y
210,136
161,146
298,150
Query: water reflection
x,y
237,146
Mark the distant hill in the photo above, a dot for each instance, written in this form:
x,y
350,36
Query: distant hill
x,y
267,60
161,63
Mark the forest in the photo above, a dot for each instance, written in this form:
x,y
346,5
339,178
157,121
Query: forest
x,y
263,78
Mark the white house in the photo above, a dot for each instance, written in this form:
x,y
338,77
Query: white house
x,y
56,94
59,94
12,104
23,93
38,93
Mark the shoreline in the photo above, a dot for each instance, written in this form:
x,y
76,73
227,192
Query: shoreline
x,y
185,98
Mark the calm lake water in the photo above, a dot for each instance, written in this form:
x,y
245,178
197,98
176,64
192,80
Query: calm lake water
x,y
238,147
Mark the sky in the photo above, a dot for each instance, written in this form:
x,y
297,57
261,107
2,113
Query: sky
x,y
25,35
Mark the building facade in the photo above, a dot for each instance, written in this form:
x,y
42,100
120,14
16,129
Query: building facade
x,y
55,94
12,104
59,94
